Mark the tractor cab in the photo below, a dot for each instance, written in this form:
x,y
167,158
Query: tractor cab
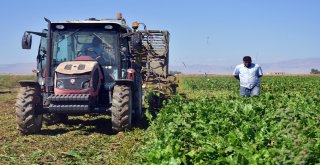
x,y
95,46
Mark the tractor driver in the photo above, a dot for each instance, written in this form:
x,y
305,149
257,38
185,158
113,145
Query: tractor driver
x,y
93,49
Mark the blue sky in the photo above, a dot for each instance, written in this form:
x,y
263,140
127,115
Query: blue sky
x,y
202,32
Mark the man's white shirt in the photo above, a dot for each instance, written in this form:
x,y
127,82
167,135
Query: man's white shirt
x,y
249,77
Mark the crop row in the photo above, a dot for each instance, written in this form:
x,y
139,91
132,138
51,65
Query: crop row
x,y
282,126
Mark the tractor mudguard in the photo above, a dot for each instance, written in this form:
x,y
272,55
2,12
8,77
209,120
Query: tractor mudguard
x,y
25,83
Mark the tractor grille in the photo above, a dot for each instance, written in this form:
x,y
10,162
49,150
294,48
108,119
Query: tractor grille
x,y
69,98
72,82
71,109
69,103
81,67
68,67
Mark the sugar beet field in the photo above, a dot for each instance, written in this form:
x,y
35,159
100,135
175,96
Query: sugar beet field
x,y
209,124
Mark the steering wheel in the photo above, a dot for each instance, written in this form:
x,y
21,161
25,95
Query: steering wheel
x,y
98,57
85,52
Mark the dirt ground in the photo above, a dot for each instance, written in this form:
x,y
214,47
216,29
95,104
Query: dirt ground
x,y
82,140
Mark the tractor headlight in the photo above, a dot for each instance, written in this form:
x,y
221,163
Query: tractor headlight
x,y
85,84
108,27
59,84
60,27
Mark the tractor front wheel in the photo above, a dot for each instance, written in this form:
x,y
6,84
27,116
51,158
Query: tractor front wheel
x,y
27,104
121,110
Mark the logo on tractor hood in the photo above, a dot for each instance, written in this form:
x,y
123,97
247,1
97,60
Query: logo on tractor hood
x,y
72,81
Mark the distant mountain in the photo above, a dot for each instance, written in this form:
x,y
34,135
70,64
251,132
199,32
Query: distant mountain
x,y
19,68
202,69
294,66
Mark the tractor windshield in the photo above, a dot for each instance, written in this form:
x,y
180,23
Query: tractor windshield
x,y
93,43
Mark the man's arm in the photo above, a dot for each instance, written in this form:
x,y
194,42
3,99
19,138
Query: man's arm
x,y
260,74
236,73
99,52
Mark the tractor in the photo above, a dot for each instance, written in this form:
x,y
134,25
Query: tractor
x,y
92,66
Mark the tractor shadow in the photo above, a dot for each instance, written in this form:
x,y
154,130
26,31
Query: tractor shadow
x,y
84,126
142,123
103,125
88,126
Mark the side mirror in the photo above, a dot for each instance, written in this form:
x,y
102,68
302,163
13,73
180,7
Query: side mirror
x,y
26,40
136,40
43,51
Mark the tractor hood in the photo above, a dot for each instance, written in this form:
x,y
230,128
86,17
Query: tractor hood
x,y
76,67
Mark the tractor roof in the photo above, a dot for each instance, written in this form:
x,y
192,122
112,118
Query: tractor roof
x,y
120,22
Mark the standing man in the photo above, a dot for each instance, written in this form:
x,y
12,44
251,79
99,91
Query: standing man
x,y
248,73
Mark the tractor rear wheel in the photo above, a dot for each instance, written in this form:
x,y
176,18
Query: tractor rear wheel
x,y
121,110
27,104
